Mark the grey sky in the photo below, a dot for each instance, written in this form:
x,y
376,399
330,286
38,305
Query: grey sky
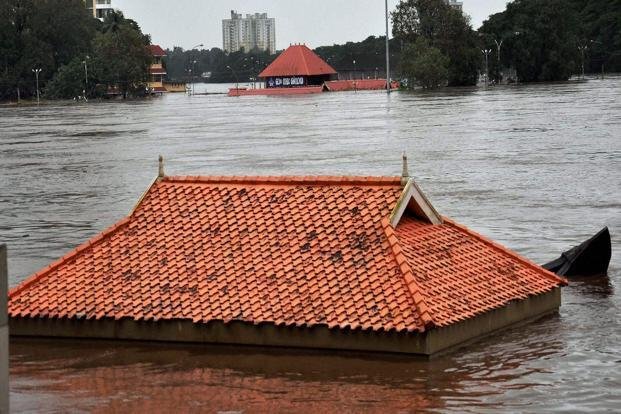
x,y
187,23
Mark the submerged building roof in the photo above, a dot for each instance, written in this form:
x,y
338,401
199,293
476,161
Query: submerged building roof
x,y
297,60
341,252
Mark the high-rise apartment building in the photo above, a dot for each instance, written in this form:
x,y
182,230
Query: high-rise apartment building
x,y
99,8
255,31
456,4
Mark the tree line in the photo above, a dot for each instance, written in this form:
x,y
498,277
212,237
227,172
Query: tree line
x,y
531,41
432,45
550,40
73,53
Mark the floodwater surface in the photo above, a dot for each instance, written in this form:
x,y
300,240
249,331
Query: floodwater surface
x,y
537,168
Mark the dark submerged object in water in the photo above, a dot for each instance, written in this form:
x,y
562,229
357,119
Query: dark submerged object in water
x,y
591,258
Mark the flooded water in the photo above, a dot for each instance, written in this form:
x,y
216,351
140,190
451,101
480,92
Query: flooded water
x,y
537,168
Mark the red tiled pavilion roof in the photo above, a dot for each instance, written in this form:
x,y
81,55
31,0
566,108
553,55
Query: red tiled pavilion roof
x,y
297,60
293,251
156,50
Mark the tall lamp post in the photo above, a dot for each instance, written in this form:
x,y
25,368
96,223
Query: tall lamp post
x,y
36,72
193,69
387,51
354,77
193,75
582,49
236,80
498,46
486,52
85,76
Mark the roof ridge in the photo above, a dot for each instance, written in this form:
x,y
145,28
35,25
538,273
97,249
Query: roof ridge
x,y
46,270
417,293
304,57
290,180
506,251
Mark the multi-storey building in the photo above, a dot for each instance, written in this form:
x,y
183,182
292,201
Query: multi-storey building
x,y
255,31
456,4
99,8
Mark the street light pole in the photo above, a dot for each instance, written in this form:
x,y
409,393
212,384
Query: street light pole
x,y
486,52
354,77
236,80
36,72
387,51
193,75
193,69
582,48
498,46
85,77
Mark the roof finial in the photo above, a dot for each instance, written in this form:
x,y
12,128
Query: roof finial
x,y
405,175
160,171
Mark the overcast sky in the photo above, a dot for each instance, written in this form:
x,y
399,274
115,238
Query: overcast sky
x,y
187,23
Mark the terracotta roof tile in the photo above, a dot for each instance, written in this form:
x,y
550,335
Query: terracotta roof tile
x,y
464,273
297,60
295,251
156,50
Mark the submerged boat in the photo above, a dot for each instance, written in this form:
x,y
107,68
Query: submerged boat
x,y
591,258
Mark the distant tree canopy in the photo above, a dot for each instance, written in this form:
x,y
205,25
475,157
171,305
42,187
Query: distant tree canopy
x,y
600,29
370,56
445,29
212,65
538,39
542,39
57,36
424,65
43,34
121,55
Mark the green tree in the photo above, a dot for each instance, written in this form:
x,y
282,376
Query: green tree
x,y
444,28
540,39
600,31
68,82
41,34
424,65
121,57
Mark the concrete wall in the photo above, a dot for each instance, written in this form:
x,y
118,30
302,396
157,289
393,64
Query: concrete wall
x,y
515,313
235,332
4,334
431,342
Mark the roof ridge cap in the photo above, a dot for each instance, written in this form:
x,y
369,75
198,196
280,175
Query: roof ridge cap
x,y
417,293
72,253
506,251
304,59
289,180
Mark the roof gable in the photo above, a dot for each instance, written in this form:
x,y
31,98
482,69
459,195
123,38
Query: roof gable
x,y
413,199
297,60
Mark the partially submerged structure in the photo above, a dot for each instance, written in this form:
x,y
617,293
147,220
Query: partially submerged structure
x,y
157,82
297,66
349,263
299,70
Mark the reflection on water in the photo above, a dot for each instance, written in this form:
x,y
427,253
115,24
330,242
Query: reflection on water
x,y
537,168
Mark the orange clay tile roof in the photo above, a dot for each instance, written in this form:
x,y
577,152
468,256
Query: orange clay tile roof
x,y
297,60
294,251
156,50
